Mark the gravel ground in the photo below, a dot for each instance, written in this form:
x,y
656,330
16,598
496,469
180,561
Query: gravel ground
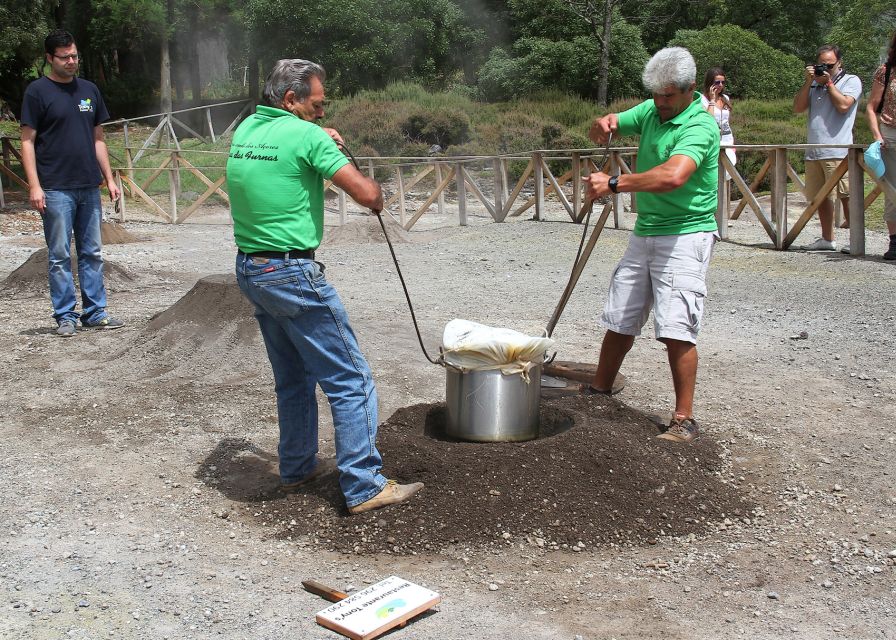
x,y
139,463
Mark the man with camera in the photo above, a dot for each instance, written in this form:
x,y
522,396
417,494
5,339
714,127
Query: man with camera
x,y
831,97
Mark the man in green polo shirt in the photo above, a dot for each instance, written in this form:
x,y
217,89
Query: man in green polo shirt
x,y
664,267
278,161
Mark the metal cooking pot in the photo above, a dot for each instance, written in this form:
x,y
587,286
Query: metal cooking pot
x,y
488,406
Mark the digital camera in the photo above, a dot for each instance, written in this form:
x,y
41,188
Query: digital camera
x,y
820,69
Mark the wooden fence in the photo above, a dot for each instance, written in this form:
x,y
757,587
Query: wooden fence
x,y
484,181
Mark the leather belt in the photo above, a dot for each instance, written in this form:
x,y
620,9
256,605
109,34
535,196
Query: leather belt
x,y
292,254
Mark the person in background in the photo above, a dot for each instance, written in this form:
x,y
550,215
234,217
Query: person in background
x,y
881,111
278,161
831,96
665,265
718,103
65,159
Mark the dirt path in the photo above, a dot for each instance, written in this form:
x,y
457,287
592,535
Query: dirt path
x,y
139,477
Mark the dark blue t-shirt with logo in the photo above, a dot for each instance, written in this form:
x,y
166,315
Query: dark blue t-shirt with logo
x,y
64,115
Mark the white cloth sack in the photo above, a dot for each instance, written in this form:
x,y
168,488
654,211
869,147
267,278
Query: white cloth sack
x,y
471,346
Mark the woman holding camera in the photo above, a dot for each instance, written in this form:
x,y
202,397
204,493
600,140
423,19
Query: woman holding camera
x,y
717,102
881,111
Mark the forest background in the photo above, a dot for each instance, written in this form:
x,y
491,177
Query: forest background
x,y
472,76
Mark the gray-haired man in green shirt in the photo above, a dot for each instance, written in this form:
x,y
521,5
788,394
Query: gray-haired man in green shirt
x,y
664,268
278,161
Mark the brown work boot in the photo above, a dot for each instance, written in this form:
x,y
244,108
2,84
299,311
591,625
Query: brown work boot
x,y
618,385
323,467
681,430
392,493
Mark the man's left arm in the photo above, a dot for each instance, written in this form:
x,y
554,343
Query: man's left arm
x,y
670,175
845,98
102,158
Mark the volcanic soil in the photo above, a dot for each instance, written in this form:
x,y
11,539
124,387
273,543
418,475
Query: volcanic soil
x,y
141,500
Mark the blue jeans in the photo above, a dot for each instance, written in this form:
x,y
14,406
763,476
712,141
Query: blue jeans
x,y
77,211
309,343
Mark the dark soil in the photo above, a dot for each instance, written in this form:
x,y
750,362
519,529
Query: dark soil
x,y
597,475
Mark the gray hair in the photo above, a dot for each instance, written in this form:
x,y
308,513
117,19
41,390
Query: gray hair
x,y
673,65
295,75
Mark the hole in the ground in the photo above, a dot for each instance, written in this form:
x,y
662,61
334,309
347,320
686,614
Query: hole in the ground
x,y
552,421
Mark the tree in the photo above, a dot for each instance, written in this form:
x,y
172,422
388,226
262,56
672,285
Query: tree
x,y
536,64
863,34
25,24
366,43
561,46
753,68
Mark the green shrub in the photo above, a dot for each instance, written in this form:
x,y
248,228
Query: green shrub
x,y
753,68
444,127
375,124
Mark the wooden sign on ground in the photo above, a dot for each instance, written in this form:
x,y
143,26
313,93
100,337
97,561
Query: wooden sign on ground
x,y
378,608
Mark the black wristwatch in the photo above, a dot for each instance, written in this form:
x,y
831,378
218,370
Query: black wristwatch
x,y
613,183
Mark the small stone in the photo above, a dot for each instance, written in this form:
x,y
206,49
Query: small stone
x,y
83,603
773,595
892,554
492,587
827,584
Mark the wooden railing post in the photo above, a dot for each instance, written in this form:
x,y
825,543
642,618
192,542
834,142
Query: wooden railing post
x,y
576,182
506,192
461,195
779,196
401,212
440,201
539,184
499,189
724,197
174,185
370,171
856,210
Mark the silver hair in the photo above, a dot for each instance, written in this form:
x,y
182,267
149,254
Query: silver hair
x,y
295,75
671,66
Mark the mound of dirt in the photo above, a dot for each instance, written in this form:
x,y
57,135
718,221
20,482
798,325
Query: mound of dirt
x,y
209,334
31,277
366,231
597,475
114,233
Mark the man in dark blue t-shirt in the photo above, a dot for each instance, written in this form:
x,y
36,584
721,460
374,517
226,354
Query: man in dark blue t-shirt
x,y
65,159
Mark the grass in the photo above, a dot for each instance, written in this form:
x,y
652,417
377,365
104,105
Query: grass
x,y
376,123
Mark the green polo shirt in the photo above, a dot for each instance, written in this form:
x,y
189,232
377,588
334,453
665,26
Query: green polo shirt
x,y
693,133
275,175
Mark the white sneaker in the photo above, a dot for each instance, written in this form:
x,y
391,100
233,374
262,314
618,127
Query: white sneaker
x,y
821,245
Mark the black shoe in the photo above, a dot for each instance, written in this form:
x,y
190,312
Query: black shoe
x,y
890,254
66,329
